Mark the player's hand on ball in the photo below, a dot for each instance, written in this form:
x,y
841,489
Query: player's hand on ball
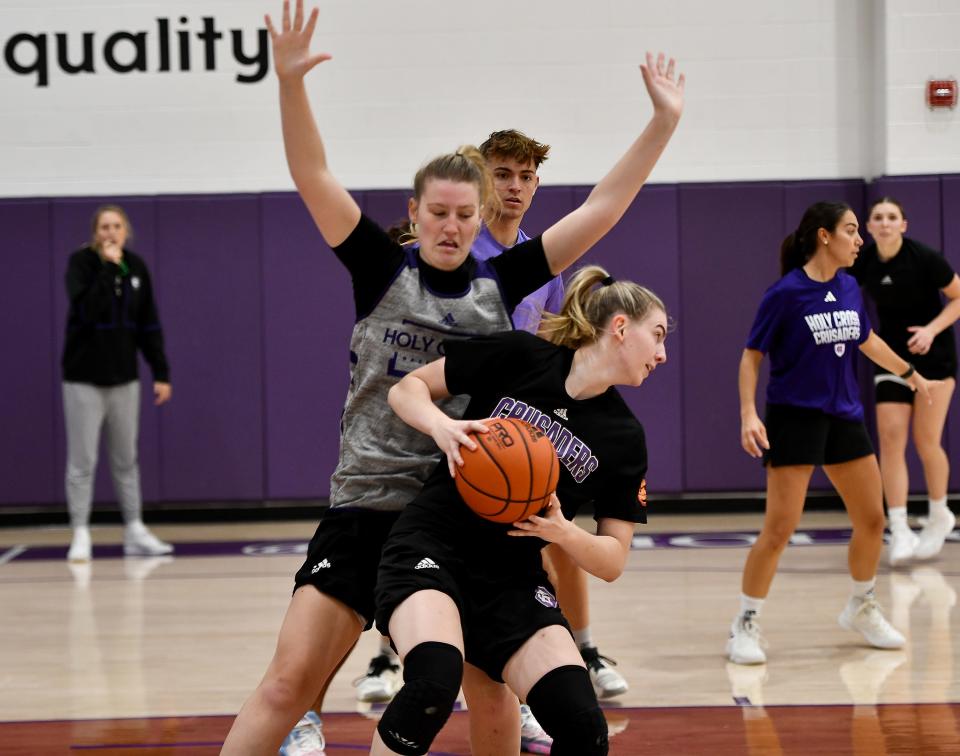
x,y
450,435
551,525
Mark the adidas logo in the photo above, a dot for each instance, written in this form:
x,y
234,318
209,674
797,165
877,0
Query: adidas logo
x,y
829,297
324,565
426,564
886,281
561,413
448,319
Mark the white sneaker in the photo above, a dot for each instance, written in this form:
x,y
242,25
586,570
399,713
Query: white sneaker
x,y
607,682
138,541
306,739
903,542
864,616
745,645
934,533
381,681
81,548
533,739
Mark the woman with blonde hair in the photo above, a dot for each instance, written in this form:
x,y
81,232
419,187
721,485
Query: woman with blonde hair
x,y
500,614
113,315
408,301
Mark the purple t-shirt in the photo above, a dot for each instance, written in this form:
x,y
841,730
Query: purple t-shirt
x,y
549,297
811,331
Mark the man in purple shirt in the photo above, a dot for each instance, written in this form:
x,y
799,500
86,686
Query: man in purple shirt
x,y
514,159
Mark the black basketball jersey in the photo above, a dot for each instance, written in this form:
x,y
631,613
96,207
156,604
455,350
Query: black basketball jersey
x,y
906,289
599,441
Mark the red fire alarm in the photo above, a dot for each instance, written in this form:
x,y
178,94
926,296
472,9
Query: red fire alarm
x,y
942,93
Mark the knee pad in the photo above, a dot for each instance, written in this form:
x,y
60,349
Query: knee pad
x,y
432,673
565,705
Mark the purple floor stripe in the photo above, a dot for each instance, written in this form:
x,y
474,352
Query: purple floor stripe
x,y
641,542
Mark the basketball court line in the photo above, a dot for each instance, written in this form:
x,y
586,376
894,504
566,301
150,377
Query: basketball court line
x,y
678,540
10,554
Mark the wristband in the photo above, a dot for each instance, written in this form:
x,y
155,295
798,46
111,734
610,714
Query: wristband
x,y
910,371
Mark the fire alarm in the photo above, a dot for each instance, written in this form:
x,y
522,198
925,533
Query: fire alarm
x,y
942,93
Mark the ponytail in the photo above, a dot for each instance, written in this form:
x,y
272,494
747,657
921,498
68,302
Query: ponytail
x,y
797,248
592,298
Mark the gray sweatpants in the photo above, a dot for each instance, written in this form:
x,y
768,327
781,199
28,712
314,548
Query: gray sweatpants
x,y
86,409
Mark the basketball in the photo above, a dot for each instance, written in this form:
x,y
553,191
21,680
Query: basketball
x,y
512,472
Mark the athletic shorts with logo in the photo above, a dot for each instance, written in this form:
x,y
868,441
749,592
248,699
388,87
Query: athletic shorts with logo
x,y
502,600
806,436
343,556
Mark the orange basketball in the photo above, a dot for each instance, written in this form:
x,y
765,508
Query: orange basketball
x,y
511,474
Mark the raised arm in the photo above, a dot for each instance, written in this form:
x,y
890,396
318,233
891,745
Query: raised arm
x,y
413,397
570,237
753,433
333,209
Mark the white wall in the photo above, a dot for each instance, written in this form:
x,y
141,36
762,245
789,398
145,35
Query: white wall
x,y
922,42
777,89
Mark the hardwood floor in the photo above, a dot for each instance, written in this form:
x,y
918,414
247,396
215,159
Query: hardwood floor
x,y
154,656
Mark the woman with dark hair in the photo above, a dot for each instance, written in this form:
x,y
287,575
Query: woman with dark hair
x,y
809,322
453,587
906,280
112,315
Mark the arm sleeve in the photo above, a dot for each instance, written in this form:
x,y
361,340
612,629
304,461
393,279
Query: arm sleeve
x,y
767,322
625,496
554,301
372,259
522,269
938,268
150,334
483,364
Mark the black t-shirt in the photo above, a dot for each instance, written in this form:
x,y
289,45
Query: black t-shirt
x,y
373,260
600,443
906,289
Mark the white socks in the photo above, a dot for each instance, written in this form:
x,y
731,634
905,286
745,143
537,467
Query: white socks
x,y
862,589
750,604
583,637
897,518
937,507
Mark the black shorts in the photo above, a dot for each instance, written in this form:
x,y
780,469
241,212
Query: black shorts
x,y
805,436
892,388
502,601
343,556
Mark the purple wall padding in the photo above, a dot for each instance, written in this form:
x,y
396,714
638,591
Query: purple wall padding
x,y
70,230
922,201
644,247
950,186
729,242
210,274
28,468
257,314
308,316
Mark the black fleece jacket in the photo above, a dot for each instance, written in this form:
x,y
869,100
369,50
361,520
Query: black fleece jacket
x,y
112,314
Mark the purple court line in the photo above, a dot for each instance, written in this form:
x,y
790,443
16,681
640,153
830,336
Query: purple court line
x,y
110,746
641,542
